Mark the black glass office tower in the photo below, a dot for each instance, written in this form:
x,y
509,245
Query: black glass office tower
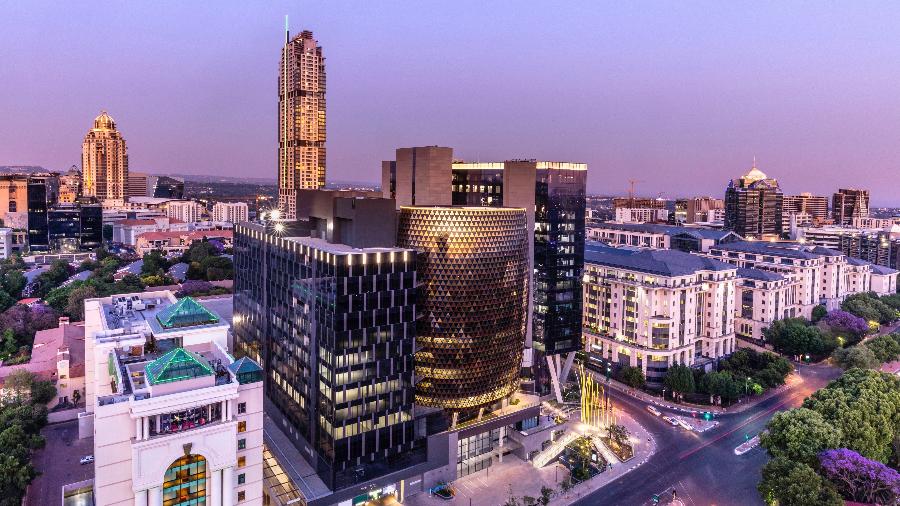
x,y
478,184
334,327
38,229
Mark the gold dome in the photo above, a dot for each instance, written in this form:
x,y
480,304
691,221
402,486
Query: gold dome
x,y
104,122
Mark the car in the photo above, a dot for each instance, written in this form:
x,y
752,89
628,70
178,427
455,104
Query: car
x,y
653,410
671,420
685,425
87,459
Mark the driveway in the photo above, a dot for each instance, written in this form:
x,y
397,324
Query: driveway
x,y
58,463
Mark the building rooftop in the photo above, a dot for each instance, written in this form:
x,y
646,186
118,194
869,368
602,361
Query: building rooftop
x,y
337,248
176,365
781,249
653,228
187,312
880,269
50,346
759,274
663,262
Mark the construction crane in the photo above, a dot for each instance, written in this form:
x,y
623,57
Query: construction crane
x,y
631,188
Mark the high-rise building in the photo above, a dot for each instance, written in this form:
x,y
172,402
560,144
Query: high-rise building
x,y
420,176
38,206
70,186
104,161
185,210
137,185
753,206
697,209
175,420
231,212
301,119
805,207
553,196
849,203
165,187
472,268
334,325
74,227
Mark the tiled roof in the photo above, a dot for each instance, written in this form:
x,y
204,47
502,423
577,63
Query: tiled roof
x,y
759,274
790,250
880,269
133,223
664,262
195,235
653,228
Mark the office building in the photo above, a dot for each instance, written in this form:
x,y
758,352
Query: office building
x,y
655,308
70,186
473,297
849,203
753,206
175,419
808,207
184,210
73,227
477,184
137,185
641,215
335,326
697,209
14,200
104,161
38,206
231,212
419,176
879,247
301,119
639,203
165,187
655,236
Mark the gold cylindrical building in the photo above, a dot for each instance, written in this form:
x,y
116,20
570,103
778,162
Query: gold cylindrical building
x,y
472,300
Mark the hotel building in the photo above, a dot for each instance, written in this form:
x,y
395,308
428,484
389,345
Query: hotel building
x,y
652,235
655,308
104,161
175,420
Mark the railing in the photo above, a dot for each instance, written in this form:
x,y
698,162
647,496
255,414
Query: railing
x,y
552,451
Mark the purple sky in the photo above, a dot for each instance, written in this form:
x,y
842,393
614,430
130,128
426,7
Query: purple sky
x,y
680,95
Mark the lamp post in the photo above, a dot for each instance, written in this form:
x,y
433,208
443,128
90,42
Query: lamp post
x,y
664,393
747,386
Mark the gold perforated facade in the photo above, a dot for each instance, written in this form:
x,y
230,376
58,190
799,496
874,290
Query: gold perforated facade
x,y
472,299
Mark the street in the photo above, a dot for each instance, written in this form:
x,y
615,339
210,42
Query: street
x,y
703,468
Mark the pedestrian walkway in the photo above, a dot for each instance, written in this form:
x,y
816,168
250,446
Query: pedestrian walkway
x,y
516,478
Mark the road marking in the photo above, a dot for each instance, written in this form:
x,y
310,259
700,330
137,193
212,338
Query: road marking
x,y
755,417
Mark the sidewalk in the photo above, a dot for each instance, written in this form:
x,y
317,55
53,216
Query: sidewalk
x,y
515,477
791,381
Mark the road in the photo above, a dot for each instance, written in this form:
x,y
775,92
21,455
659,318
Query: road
x,y
703,468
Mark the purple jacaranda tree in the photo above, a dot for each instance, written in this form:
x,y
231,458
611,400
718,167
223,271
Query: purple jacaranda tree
x,y
839,319
860,479
193,286
25,321
220,248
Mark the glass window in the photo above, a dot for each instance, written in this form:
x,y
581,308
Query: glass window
x,y
242,461
242,408
242,444
242,478
185,482
242,426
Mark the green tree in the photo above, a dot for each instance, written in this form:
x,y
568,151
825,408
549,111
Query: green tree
x,y
857,356
869,307
632,376
9,344
75,301
792,336
58,297
42,392
15,475
788,483
679,379
865,406
799,435
13,283
886,348
818,313
6,300
217,268
198,251
155,263
546,495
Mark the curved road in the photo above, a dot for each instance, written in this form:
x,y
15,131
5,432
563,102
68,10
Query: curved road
x,y
703,468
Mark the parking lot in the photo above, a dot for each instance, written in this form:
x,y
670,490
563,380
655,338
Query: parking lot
x,y
58,463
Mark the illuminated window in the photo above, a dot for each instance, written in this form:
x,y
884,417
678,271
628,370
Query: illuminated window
x,y
241,495
185,482
242,461
242,426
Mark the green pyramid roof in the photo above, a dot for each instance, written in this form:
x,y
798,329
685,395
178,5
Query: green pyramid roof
x,y
178,364
246,370
187,312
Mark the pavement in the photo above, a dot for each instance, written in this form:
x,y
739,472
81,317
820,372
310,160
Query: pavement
x,y
515,477
702,467
58,463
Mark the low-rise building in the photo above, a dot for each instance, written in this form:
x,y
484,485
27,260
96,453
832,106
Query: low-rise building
x,y
641,215
184,210
175,419
655,236
177,242
654,308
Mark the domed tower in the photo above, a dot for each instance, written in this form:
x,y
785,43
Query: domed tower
x,y
753,206
104,160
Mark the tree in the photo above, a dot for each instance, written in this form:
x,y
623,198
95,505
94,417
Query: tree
x,y
818,313
849,322
6,300
857,356
792,336
799,435
42,392
546,495
155,263
632,376
75,301
566,485
886,348
198,251
13,282
679,379
865,406
217,268
76,396
721,384
860,479
790,483
869,307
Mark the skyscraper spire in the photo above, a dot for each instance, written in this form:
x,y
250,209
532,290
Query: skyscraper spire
x,y
287,31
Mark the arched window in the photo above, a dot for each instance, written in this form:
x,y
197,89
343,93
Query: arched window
x,y
185,482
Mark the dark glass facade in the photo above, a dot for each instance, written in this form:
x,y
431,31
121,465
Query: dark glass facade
x,y
73,227
38,204
481,187
168,188
334,329
753,206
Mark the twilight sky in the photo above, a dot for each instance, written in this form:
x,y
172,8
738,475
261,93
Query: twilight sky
x,y
680,95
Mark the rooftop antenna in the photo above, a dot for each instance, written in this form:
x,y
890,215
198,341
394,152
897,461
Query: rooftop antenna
x,y
754,161
287,31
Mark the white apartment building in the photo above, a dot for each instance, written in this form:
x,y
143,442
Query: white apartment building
x,y
231,212
641,215
175,419
654,308
656,236
184,210
6,243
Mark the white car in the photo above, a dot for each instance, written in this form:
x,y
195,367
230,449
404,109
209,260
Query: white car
x,y
87,459
671,420
653,410
685,425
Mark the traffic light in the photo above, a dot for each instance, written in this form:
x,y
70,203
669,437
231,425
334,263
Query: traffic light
x,y
707,416
655,499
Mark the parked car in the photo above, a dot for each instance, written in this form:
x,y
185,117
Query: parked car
x,y
87,459
653,410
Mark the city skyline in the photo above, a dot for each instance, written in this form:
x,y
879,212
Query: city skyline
x,y
628,104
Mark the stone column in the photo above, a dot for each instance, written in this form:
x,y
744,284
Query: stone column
x,y
140,498
155,496
138,429
227,486
214,492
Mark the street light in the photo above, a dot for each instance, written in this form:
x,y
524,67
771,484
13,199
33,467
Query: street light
x,y
664,393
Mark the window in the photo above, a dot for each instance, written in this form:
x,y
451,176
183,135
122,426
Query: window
x,y
242,461
242,478
241,494
242,426
242,444
242,408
